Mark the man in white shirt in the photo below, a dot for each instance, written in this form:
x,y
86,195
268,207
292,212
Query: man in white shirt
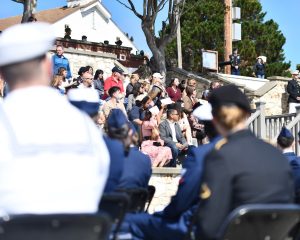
x,y
171,134
53,158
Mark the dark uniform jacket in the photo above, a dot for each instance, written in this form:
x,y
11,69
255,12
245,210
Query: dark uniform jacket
x,y
259,69
117,159
293,90
137,170
245,170
235,60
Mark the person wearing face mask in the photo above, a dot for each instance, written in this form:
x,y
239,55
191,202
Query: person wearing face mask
x,y
114,101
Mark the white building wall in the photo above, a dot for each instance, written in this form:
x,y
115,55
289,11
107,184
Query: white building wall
x,y
93,24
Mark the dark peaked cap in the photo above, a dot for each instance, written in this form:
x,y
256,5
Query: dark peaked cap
x,y
117,69
285,133
116,119
229,95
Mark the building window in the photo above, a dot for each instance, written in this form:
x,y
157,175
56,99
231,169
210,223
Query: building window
x,y
122,57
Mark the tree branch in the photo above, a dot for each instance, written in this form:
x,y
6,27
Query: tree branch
x,y
131,8
144,7
161,5
173,23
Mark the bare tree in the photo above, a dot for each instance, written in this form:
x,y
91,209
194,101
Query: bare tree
x,y
29,8
151,8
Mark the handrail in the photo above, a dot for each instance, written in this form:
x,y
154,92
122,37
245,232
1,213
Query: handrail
x,y
280,116
293,122
252,118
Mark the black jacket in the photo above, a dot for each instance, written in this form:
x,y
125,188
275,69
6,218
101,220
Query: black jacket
x,y
293,90
244,170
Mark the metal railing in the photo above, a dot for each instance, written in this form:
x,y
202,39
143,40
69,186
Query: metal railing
x,y
269,127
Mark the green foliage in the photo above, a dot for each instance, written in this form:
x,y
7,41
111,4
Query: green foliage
x,y
202,26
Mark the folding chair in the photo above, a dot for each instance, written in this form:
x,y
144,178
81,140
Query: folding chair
x,y
56,226
138,198
116,205
151,192
261,221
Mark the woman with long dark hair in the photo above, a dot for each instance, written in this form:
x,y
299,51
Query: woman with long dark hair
x,y
173,90
137,90
99,82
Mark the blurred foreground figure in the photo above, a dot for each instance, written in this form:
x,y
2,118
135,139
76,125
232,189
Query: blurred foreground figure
x,y
241,169
87,100
53,158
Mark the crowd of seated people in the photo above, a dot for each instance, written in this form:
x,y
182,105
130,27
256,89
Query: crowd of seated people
x,y
144,96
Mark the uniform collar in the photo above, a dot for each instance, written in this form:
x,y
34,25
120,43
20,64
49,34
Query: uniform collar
x,y
240,134
289,153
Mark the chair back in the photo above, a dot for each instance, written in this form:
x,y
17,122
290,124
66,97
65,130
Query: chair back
x,y
138,198
261,222
151,192
55,226
116,205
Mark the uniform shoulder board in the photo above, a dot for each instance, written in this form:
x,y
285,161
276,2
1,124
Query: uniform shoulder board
x,y
205,192
220,143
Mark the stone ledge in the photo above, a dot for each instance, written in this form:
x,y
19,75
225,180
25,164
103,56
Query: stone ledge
x,y
88,53
167,171
264,89
278,78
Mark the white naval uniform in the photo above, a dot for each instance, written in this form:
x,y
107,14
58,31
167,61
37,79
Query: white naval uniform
x,y
52,157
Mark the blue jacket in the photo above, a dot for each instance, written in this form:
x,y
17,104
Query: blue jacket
x,y
137,170
291,156
61,61
117,159
294,161
190,180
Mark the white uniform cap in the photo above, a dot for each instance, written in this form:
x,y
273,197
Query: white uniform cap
x,y
83,94
25,42
157,75
296,72
203,112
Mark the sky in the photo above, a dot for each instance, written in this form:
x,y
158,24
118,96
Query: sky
x,y
285,13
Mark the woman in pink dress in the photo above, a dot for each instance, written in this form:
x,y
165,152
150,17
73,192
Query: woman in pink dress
x,y
152,145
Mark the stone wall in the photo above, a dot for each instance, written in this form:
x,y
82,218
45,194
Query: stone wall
x,y
166,182
276,98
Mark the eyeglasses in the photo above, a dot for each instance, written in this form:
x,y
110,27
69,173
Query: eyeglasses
x,y
87,78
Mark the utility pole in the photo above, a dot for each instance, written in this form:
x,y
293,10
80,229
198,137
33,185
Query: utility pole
x,y
179,50
227,33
